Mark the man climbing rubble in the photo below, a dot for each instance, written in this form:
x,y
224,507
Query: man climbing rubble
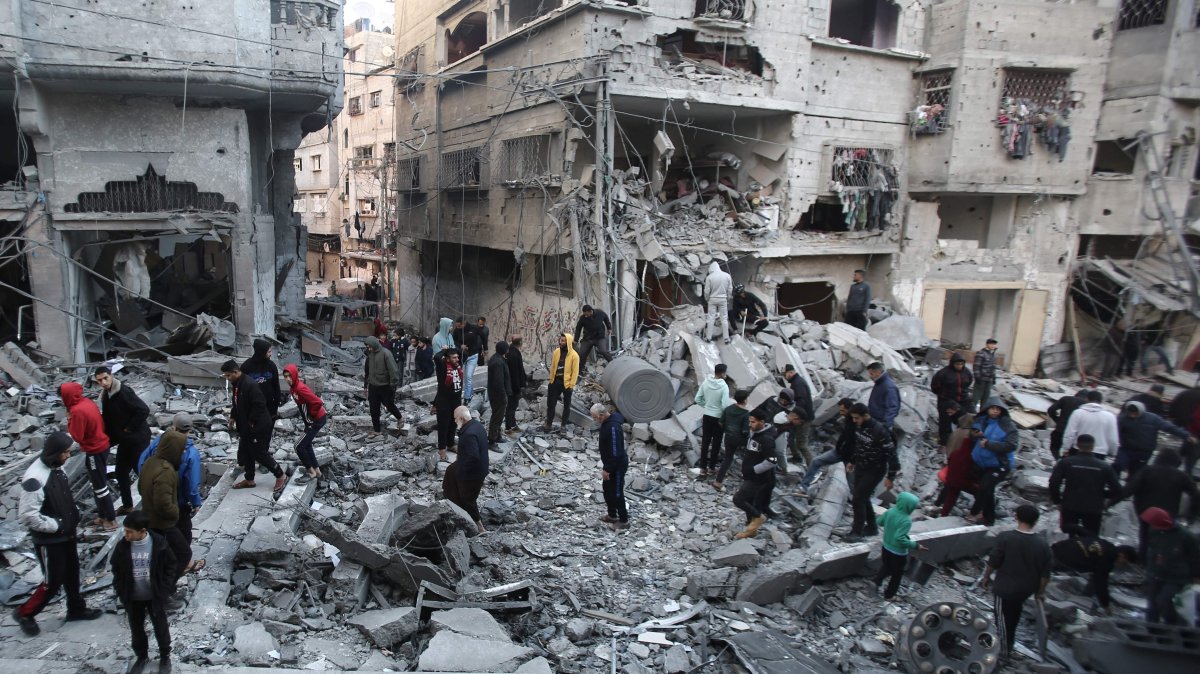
x,y
841,451
873,460
613,463
380,376
952,386
1092,419
749,312
1083,485
759,460
718,287
591,332
124,416
713,396
884,403
564,373
265,373
1138,431
86,426
464,478
249,416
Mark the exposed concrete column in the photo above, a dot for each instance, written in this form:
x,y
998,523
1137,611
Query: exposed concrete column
x,y
56,331
243,278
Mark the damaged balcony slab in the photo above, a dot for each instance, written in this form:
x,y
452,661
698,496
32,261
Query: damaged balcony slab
x,y
384,512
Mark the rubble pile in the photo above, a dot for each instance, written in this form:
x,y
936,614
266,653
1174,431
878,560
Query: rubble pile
x,y
367,568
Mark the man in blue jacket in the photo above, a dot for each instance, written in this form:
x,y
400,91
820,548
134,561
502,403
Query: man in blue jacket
x,y
1138,430
996,442
884,403
614,462
190,475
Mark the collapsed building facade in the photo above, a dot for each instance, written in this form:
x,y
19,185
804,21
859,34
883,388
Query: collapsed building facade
x,y
153,163
603,152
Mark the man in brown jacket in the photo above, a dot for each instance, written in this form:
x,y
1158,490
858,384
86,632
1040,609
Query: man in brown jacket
x,y
159,487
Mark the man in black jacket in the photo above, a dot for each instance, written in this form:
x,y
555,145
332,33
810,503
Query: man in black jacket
x,y
873,459
1138,431
144,571
517,379
1152,400
748,311
499,385
758,473
1060,413
951,384
448,398
801,394
1090,486
254,424
47,509
125,425
265,373
591,332
1085,552
841,451
464,478
1020,561
1162,484
614,462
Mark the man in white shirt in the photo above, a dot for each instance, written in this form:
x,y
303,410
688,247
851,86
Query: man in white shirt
x,y
1092,419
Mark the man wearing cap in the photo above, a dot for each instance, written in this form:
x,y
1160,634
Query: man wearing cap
x,y
591,332
124,415
47,509
1138,431
190,473
984,369
1173,561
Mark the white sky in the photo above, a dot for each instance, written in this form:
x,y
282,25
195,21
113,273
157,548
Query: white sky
x,y
381,12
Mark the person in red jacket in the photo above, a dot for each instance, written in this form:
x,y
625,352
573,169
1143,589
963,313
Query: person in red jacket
x,y
86,426
312,411
961,474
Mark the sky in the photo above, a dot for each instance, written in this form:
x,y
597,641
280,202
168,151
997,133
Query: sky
x,y
381,12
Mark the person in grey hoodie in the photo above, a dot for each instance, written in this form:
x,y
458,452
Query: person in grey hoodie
x,y
381,375
718,288
1138,432
443,339
713,396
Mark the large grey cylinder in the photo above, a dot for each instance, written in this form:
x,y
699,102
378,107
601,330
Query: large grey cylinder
x,y
639,390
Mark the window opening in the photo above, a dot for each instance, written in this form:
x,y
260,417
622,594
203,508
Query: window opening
x,y
467,37
1141,13
867,23
554,274
376,99
1035,101
932,111
681,50
408,174
316,162
521,12
462,168
524,160
1112,158
298,163
364,152
356,105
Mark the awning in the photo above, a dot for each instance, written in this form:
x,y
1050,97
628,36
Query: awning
x,y
1152,278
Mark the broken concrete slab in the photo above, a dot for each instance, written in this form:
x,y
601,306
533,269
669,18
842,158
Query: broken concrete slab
x,y
371,481
864,348
712,583
270,539
253,642
772,582
402,569
471,622
387,627
745,368
449,651
667,433
786,355
443,517
840,562
950,538
691,418
383,512
538,665
739,553
900,332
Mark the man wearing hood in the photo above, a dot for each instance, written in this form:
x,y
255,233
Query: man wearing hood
x,y
517,378
1172,561
896,524
312,413
614,462
718,287
713,396
564,372
86,426
447,399
381,375
1060,413
470,347
265,373
464,478
1138,431
124,416
872,460
442,339
1082,486
884,402
499,385
1162,484
759,460
951,384
159,486
47,509
189,471
749,311
591,332
1092,419
996,441
253,423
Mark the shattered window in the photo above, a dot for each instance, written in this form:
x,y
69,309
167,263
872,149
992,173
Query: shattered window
x,y
408,174
1141,13
1035,87
864,167
930,116
462,168
721,9
524,160
554,274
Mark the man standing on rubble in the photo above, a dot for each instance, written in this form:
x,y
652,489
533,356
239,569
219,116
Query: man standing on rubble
x,y
873,460
984,367
614,462
1060,413
464,478
951,384
86,426
518,379
1172,561
499,386
758,474
996,442
564,372
159,487
713,397
448,398
884,403
718,287
143,578
842,450
484,333
47,509
265,373
1092,419
591,332
858,301
1021,563
470,347
253,423
380,375
1083,485
124,416
190,472
748,311
1138,431
398,345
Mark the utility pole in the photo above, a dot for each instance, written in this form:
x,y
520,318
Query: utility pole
x,y
601,201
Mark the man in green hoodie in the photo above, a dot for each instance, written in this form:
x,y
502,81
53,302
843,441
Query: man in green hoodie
x,y
896,523
381,377
159,487
713,396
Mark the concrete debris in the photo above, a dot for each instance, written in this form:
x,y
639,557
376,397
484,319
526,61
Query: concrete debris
x,y
900,332
387,627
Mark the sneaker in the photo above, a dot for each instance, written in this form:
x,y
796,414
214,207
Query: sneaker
x,y
244,484
138,666
608,519
85,614
164,664
28,625
302,479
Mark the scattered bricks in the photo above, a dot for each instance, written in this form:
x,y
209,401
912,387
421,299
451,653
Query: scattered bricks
x,y
270,539
712,583
387,627
739,553
371,481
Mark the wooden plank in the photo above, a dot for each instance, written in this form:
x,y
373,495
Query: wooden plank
x,y
1027,331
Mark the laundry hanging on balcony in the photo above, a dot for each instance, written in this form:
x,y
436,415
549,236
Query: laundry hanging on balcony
x,y
867,184
1020,120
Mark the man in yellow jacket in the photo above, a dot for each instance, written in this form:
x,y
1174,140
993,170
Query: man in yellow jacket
x,y
564,372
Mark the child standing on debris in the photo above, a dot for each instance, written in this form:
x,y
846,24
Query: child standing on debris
x,y
424,359
961,474
896,523
144,570
735,423
86,427
312,413
1020,561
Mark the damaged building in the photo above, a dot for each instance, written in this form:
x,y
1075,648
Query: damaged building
x,y
151,180
605,152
